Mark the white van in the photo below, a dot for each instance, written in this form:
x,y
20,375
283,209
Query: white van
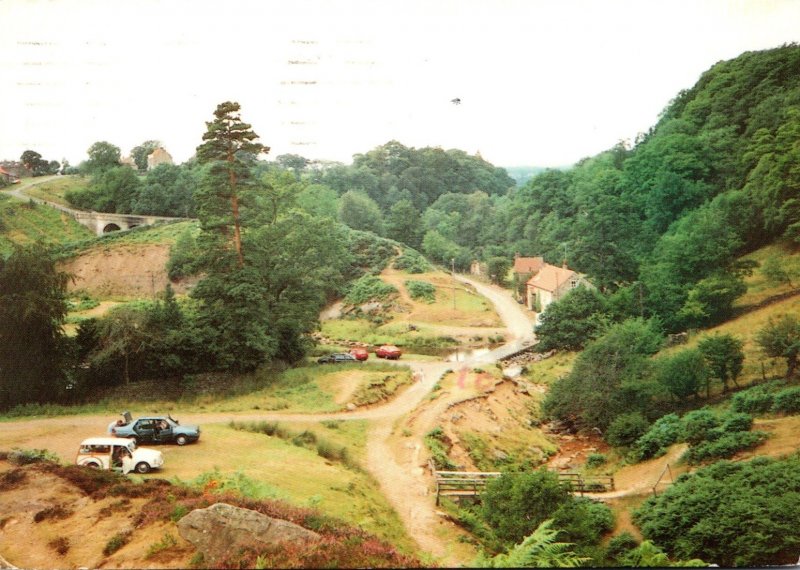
x,y
118,454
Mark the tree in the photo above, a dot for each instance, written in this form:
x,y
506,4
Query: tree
x,y
140,153
514,504
38,166
230,144
682,374
571,322
403,223
498,267
293,162
360,212
32,343
102,156
774,271
781,339
611,376
724,358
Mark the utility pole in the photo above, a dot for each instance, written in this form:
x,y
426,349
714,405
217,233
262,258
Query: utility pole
x,y
453,274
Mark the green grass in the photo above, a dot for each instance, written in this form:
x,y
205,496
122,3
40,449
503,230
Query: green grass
x,y
308,389
551,369
23,223
157,234
295,473
759,287
53,190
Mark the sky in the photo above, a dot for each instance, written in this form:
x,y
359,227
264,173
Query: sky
x,y
540,82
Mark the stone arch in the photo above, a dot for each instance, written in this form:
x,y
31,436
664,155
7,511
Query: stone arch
x,y
111,227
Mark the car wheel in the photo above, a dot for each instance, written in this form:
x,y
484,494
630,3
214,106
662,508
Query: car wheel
x,y
93,465
181,440
142,468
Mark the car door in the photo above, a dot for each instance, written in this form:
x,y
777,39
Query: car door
x,y
164,432
144,430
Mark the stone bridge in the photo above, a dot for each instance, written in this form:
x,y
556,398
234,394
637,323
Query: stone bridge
x,y
102,223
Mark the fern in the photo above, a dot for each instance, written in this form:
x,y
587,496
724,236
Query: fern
x,y
538,550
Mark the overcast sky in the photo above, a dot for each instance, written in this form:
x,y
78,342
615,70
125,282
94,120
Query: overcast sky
x,y
541,82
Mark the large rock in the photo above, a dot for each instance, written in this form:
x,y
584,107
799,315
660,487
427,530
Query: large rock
x,y
220,529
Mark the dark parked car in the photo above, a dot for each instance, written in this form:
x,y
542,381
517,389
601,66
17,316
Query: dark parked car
x,y
336,357
154,429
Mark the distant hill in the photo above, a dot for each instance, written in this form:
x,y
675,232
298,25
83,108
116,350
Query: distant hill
x,y
524,173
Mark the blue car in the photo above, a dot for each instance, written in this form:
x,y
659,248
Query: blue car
x,y
154,429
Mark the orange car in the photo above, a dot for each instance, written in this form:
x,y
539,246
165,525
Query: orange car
x,y
359,353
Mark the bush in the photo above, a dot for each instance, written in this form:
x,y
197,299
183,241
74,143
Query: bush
x,y
27,456
625,429
753,401
724,447
595,460
368,288
619,546
412,262
734,422
787,401
730,514
421,291
116,542
665,431
698,426
439,445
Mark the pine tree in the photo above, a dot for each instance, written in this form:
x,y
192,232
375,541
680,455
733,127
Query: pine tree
x,y
229,145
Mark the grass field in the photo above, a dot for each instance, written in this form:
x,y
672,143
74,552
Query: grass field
x,y
53,190
24,222
759,286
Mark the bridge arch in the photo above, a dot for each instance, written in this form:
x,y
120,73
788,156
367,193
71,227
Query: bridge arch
x,y
111,227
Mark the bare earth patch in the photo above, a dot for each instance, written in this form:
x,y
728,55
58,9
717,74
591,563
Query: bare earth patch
x,y
132,270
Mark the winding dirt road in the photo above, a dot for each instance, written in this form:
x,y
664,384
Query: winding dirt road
x,y
395,462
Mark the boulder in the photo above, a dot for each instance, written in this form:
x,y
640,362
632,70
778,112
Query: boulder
x,y
221,528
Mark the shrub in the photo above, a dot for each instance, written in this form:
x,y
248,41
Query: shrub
x,y
167,541
625,429
368,288
595,460
620,545
730,514
734,422
698,426
60,545
787,401
665,431
116,542
27,456
753,401
412,262
421,291
439,445
54,512
725,447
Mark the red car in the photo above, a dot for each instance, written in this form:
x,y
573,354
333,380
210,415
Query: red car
x,y
359,353
388,351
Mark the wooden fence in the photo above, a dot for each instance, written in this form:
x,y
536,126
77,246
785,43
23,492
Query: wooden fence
x,y
472,483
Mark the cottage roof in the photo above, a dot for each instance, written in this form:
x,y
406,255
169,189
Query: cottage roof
x,y
4,171
551,277
528,264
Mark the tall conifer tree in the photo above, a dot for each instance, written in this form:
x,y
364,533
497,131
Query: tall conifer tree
x,y
229,144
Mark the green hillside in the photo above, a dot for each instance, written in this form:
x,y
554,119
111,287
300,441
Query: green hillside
x,y
25,222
